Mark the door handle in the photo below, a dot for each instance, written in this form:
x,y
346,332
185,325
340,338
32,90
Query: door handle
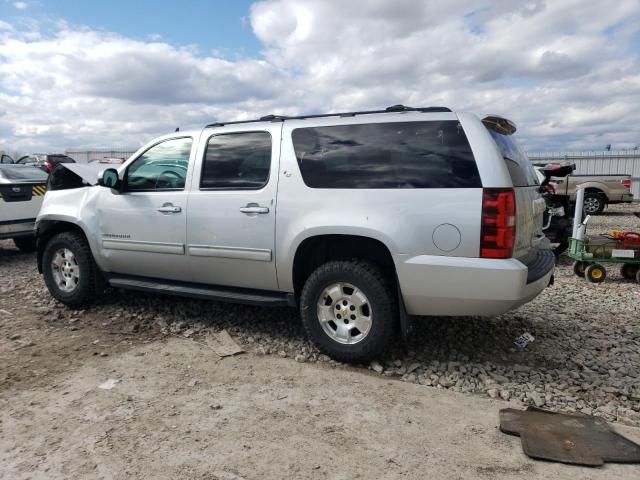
x,y
254,208
169,208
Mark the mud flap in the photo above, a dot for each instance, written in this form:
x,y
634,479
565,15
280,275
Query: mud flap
x,y
406,322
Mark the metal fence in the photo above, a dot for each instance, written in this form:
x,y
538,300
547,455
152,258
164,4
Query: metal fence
x,y
621,162
84,156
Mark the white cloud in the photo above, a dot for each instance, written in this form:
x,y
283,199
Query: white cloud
x,y
20,5
566,72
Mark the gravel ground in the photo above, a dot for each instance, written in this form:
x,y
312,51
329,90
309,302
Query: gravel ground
x,y
585,357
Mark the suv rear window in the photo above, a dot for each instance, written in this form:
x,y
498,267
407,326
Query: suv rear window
x,y
23,174
520,168
428,154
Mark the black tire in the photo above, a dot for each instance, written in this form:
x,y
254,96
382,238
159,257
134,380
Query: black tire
x,y
638,276
629,271
595,273
594,203
380,292
25,244
89,279
579,268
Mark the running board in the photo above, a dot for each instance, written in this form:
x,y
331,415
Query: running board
x,y
207,292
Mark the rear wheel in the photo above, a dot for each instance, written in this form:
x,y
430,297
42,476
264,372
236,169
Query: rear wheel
x,y
70,272
638,276
349,311
629,271
579,268
25,244
594,203
595,273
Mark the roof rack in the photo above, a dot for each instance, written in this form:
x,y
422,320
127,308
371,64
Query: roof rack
x,y
282,118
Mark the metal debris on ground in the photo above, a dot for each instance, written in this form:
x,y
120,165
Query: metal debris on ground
x,y
523,340
223,344
568,438
109,384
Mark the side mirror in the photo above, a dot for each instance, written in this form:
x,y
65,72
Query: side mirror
x,y
110,179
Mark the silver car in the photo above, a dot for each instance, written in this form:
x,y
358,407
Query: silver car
x,y
361,219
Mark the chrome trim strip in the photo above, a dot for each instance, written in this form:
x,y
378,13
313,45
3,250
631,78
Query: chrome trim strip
x,y
138,246
257,254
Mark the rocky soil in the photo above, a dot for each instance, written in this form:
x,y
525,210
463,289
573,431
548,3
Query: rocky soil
x,y
585,356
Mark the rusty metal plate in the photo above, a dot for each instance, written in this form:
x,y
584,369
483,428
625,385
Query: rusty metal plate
x,y
568,438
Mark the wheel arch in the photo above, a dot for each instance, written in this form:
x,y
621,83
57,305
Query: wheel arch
x,y
596,188
315,250
47,229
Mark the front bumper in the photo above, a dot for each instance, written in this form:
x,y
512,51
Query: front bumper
x,y
458,286
17,228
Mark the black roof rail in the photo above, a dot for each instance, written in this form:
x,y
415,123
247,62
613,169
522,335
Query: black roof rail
x,y
282,118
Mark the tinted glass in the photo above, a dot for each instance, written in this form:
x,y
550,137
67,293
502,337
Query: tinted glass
x,y
162,167
386,155
520,168
23,174
237,161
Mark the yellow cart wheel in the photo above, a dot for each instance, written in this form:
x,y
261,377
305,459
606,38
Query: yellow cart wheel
x,y
595,273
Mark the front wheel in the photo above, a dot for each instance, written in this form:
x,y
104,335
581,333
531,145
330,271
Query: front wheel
x,y
579,268
69,270
349,310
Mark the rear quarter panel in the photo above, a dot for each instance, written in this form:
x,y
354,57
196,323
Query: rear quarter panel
x,y
402,219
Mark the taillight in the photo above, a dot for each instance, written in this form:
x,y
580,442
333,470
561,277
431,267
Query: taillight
x,y
48,166
498,231
626,183
550,188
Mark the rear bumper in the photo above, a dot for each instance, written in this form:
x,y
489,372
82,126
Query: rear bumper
x,y
457,286
17,228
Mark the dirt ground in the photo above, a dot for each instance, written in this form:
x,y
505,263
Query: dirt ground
x,y
178,411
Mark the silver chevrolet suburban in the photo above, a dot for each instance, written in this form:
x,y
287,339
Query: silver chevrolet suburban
x,y
361,219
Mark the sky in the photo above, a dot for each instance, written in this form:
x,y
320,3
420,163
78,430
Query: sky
x,y
89,74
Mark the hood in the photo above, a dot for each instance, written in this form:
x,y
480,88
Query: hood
x,y
75,175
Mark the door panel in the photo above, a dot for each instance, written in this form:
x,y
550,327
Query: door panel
x,y
137,239
231,209
143,228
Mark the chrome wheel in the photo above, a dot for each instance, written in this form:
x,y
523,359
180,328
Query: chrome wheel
x,y
65,270
344,313
592,205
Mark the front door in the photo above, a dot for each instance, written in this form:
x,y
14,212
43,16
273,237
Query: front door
x,y
143,228
232,208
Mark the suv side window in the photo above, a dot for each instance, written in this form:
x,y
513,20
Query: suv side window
x,y
162,167
237,161
427,154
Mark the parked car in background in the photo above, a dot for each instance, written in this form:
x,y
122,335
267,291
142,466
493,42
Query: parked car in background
x,y
600,190
45,162
22,189
108,160
359,218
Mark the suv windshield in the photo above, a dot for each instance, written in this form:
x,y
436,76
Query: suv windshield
x,y
520,168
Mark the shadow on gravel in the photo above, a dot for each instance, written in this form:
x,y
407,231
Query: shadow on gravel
x,y
474,340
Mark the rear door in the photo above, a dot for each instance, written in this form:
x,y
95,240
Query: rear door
x,y
530,205
231,213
